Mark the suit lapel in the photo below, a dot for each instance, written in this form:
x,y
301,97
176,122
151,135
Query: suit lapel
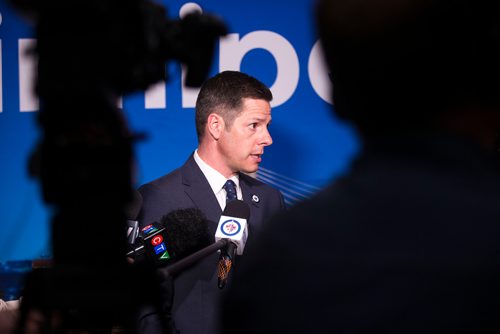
x,y
251,198
198,189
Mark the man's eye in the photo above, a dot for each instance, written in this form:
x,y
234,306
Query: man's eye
x,y
253,125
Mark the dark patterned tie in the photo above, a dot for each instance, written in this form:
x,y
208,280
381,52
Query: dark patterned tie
x,y
225,260
230,188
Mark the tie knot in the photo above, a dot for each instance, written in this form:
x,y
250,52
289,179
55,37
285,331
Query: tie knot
x,y
230,188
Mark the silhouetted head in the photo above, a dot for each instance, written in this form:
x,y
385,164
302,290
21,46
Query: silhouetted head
x,y
403,65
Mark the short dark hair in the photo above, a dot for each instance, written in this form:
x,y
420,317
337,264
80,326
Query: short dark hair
x,y
398,65
223,94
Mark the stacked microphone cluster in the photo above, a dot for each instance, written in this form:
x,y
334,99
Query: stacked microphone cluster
x,y
181,238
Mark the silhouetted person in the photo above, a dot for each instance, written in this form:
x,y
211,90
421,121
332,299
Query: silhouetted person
x,y
408,240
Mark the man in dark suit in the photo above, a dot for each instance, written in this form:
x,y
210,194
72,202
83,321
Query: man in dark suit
x,y
232,118
408,240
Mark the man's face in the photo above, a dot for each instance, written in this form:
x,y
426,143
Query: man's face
x,y
242,145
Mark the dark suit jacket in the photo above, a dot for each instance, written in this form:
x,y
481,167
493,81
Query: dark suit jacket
x,y
407,242
195,308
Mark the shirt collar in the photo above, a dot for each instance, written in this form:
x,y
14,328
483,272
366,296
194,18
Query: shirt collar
x,y
214,178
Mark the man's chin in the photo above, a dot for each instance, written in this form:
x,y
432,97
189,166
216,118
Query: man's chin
x,y
251,171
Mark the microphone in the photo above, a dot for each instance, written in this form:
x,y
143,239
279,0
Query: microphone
x,y
132,212
237,211
186,232
178,266
179,233
234,228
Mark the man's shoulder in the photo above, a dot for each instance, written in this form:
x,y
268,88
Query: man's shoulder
x,y
161,196
170,180
162,183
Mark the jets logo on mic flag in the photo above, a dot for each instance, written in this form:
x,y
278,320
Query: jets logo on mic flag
x,y
235,229
230,227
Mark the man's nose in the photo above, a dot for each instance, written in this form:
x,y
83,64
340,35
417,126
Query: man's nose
x,y
266,138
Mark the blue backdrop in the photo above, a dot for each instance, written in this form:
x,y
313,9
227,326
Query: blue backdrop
x,y
274,41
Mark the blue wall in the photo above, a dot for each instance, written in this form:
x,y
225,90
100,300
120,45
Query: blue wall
x,y
271,40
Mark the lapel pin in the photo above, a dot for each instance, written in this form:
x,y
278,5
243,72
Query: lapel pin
x,y
255,198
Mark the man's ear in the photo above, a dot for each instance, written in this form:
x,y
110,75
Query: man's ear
x,y
215,125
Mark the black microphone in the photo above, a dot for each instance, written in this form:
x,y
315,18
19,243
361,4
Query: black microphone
x,y
178,234
234,228
186,232
178,266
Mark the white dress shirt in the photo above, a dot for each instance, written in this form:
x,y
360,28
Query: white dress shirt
x,y
217,180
